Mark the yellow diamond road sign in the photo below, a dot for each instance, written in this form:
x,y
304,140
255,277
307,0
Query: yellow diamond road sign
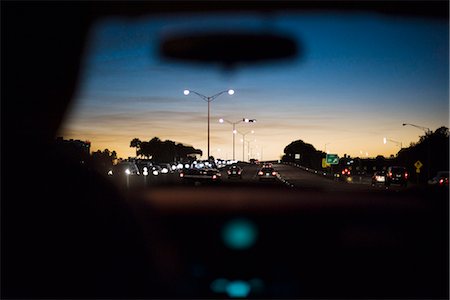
x,y
418,164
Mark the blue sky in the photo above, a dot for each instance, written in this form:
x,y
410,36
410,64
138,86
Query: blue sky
x,y
360,77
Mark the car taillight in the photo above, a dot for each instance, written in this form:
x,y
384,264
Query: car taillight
x,y
214,177
406,175
181,175
343,172
441,181
274,173
239,172
390,174
260,173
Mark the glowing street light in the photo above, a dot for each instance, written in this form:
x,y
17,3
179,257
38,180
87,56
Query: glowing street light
x,y
362,152
385,140
208,99
127,173
234,128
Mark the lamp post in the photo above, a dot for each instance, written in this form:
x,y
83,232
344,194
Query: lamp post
x,y
208,99
326,147
427,132
248,150
425,129
243,142
234,129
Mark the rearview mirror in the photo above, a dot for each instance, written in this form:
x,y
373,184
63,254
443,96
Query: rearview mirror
x,y
229,48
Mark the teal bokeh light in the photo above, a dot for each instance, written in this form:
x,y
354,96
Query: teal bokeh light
x,y
219,285
238,289
239,234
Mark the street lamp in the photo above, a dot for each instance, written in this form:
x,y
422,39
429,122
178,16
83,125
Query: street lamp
x,y
234,128
208,99
385,140
362,152
425,129
427,132
243,142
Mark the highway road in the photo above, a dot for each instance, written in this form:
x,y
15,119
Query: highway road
x,y
291,177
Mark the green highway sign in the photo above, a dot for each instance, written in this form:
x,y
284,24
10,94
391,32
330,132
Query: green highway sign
x,y
332,159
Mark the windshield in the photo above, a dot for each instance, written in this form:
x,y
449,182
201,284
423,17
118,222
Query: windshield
x,y
356,80
303,169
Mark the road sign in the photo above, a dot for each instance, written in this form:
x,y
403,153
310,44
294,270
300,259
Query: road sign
x,y
417,170
418,165
332,159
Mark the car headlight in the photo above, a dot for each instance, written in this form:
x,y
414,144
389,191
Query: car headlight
x,y
110,172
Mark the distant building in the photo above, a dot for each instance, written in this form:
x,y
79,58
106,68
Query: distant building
x,y
73,150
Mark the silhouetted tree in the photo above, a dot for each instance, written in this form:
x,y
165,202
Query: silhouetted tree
x,y
309,156
136,143
102,161
432,150
164,151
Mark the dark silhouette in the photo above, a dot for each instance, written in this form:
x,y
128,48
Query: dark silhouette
x,y
74,151
135,143
102,161
309,156
66,231
163,151
432,150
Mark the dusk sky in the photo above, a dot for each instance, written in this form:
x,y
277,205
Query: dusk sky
x,y
360,77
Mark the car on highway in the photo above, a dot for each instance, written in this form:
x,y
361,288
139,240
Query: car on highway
x,y
379,177
234,171
158,170
166,168
441,179
254,161
267,174
125,168
267,165
201,174
396,175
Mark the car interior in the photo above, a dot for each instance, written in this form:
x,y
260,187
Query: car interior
x,y
69,232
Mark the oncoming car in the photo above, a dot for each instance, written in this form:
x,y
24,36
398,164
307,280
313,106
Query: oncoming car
x,y
124,169
378,177
441,179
